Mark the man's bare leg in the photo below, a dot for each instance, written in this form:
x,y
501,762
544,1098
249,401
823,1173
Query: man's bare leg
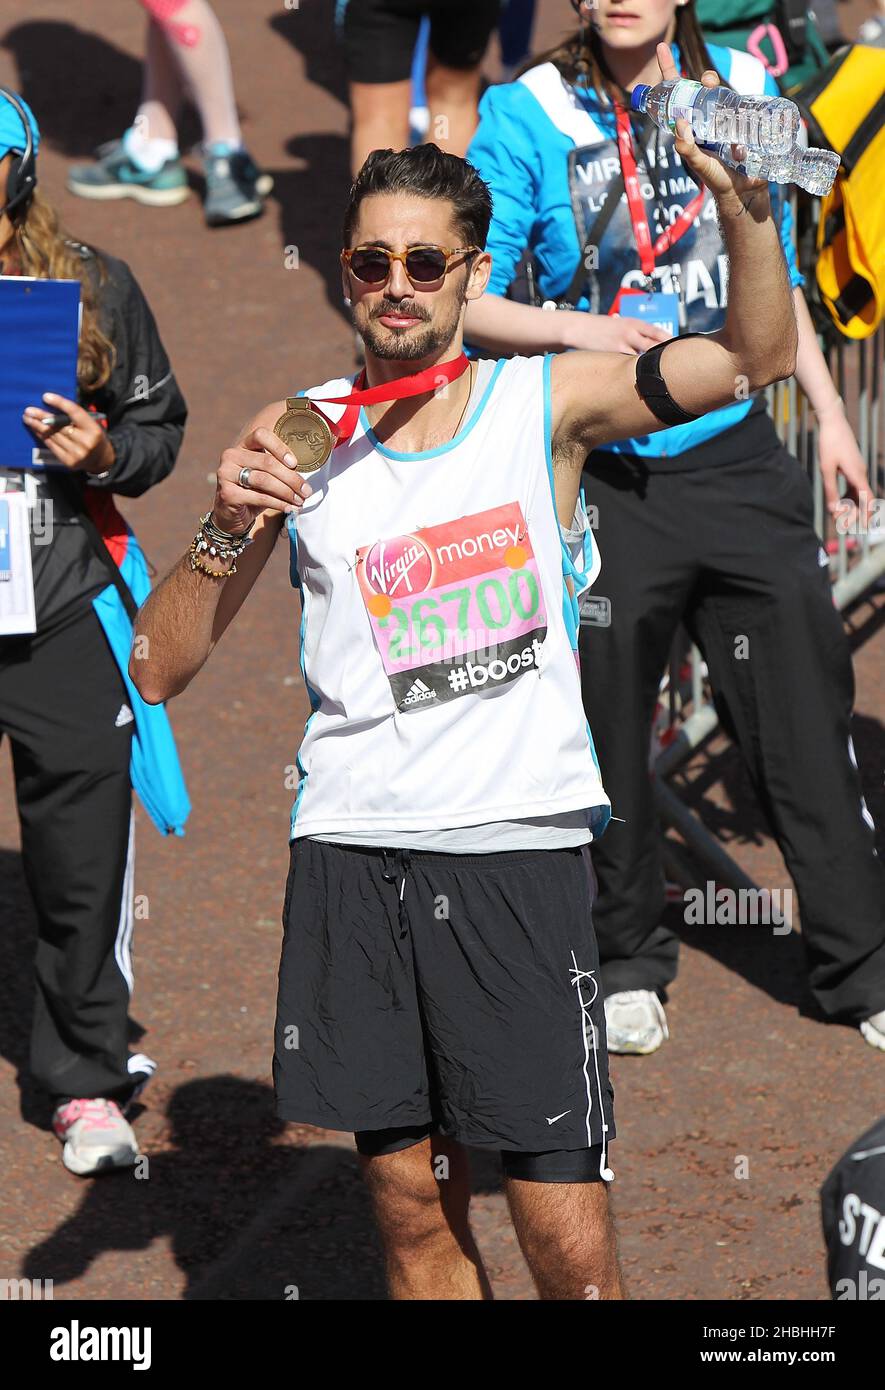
x,y
421,1197
567,1235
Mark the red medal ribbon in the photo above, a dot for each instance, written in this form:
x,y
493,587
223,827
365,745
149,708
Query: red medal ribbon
x,y
428,380
648,250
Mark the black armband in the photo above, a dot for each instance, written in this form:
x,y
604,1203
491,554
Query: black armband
x,y
653,389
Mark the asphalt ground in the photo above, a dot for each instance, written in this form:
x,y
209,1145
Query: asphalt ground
x,y
236,1205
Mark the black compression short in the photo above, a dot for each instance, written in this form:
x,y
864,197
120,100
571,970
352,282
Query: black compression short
x,y
380,35
552,1165
452,993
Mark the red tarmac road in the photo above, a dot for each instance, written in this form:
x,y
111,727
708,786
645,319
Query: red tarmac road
x,y
237,1205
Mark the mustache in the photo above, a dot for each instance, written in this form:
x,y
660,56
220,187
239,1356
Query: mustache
x,y
409,310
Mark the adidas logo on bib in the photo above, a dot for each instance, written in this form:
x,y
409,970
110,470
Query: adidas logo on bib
x,y
417,693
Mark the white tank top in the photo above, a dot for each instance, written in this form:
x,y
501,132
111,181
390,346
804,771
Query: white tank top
x,y
438,642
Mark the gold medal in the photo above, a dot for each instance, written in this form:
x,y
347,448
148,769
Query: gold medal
x,y
306,433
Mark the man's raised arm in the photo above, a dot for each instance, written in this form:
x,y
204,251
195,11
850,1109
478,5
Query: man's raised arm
x,y
187,613
595,395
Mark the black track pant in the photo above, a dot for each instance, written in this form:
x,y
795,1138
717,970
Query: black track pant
x,y
61,697
730,551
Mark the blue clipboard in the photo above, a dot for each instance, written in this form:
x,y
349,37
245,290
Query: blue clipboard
x,y
39,341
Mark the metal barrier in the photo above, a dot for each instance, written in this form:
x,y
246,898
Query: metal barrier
x,y
857,563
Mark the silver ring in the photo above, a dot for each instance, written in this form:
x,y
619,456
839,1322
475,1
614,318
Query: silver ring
x,y
243,477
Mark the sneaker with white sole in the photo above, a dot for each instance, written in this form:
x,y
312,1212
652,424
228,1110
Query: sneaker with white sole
x,y
95,1136
873,1029
635,1021
235,187
113,175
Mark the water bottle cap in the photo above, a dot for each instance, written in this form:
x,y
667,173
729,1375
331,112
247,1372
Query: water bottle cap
x,y
638,95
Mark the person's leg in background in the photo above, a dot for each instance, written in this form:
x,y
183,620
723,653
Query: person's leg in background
x,y
162,96
647,575
379,39
380,112
64,706
780,667
459,36
186,50
195,39
515,35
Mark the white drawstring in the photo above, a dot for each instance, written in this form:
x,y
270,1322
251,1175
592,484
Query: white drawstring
x,y
577,976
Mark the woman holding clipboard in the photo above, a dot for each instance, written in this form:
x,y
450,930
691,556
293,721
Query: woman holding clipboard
x,y
708,523
80,737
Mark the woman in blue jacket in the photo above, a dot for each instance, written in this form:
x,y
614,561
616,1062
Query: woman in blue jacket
x,y
81,736
708,523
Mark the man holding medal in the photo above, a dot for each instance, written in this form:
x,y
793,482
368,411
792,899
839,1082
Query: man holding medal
x,y
439,974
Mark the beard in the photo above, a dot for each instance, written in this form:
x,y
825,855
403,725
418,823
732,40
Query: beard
x,y
409,344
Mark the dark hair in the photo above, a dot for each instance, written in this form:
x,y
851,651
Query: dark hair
x,y
426,172
585,62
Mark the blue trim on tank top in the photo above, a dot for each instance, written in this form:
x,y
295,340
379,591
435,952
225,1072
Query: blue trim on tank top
x,y
568,614
444,448
295,579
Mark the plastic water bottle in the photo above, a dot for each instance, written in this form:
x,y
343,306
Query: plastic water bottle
x,y
813,170
718,115
757,136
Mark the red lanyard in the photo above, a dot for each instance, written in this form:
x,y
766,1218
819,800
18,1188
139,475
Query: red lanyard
x,y
430,379
648,250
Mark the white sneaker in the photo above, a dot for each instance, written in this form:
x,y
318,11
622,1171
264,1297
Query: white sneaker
x,y
872,33
873,1029
635,1021
95,1136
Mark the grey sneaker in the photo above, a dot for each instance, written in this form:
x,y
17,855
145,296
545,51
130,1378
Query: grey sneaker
x,y
114,175
873,1029
235,186
635,1021
95,1136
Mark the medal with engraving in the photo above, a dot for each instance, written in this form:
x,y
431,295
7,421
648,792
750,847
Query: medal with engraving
x,y
311,436
306,433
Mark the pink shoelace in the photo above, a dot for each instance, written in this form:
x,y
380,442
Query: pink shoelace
x,y
100,1114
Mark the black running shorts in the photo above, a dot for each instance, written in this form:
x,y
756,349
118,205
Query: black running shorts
x,y
453,993
380,35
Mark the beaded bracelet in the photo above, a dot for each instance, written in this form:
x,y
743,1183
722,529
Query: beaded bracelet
x,y
197,564
221,543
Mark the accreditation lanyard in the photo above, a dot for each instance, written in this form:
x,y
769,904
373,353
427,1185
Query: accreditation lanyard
x,y
648,250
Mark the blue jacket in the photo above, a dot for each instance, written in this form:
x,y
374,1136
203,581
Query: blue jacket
x,y
521,148
154,767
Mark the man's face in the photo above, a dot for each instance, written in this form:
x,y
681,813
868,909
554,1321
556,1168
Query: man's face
x,y
398,320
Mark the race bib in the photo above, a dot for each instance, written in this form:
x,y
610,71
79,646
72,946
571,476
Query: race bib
x,y
456,608
17,612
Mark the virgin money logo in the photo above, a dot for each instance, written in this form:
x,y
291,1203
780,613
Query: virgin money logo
x,y
400,566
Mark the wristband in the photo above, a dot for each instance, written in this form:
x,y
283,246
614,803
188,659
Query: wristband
x,y
653,389
196,563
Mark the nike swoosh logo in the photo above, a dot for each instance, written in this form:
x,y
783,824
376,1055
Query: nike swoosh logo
x,y
557,1117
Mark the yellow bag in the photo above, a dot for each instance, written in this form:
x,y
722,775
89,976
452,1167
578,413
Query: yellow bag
x,y
844,106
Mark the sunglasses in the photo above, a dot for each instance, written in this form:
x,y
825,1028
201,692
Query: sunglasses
x,y
424,265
